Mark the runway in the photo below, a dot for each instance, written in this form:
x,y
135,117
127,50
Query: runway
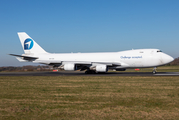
x,y
78,73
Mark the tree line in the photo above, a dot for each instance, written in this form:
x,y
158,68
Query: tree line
x,y
175,62
26,68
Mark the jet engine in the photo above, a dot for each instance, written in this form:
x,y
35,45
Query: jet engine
x,y
68,66
100,68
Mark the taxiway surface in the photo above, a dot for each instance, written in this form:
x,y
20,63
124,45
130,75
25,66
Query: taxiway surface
x,y
78,73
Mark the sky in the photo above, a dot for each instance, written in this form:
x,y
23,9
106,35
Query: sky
x,y
65,26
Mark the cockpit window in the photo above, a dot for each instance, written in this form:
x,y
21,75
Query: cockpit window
x,y
159,51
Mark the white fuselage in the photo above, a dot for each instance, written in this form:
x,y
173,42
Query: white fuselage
x,y
127,59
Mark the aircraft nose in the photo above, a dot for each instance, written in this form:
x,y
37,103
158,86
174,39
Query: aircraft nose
x,y
171,59
167,58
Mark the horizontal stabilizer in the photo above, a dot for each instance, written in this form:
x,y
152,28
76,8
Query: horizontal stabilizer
x,y
25,57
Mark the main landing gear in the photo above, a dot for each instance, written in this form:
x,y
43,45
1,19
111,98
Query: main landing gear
x,y
154,70
90,72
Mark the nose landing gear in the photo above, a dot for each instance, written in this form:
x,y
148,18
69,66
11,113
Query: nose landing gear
x,y
154,70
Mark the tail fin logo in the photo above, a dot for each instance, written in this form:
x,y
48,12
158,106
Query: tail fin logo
x,y
28,44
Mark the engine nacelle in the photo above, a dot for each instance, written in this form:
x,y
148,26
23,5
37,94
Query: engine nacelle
x,y
101,68
69,66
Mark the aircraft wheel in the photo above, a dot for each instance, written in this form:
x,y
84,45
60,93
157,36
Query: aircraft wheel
x,y
154,70
86,72
93,72
90,72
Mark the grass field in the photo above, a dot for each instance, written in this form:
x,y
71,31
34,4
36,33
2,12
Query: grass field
x,y
68,97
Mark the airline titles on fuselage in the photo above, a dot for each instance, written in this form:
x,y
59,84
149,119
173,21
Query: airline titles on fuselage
x,y
130,57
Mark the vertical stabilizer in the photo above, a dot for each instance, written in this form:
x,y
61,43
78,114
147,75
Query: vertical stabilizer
x,y
29,45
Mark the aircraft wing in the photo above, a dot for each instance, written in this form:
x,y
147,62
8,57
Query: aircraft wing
x,y
92,63
108,63
79,63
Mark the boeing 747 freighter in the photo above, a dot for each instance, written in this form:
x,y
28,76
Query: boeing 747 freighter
x,y
92,62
